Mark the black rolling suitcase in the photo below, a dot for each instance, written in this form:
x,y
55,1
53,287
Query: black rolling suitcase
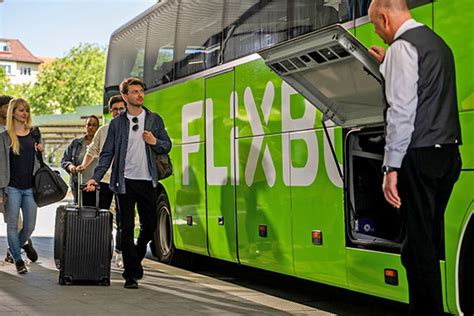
x,y
83,243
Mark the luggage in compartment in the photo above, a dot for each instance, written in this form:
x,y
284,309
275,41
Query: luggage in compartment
x,y
83,244
374,220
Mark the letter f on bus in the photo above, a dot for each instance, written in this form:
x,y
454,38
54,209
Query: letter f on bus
x,y
189,113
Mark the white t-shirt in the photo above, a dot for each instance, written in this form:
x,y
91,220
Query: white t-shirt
x,y
136,164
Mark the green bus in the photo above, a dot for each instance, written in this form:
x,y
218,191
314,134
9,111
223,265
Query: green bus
x,y
275,113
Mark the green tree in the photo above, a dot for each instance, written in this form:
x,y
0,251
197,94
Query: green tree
x,y
4,81
77,79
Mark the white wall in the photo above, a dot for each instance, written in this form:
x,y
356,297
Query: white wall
x,y
15,73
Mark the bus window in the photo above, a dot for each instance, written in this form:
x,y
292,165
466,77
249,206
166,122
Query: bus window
x,y
251,25
416,3
160,45
358,8
198,37
361,7
310,15
126,54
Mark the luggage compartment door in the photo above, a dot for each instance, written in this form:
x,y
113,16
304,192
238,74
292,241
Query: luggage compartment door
x,y
333,71
220,175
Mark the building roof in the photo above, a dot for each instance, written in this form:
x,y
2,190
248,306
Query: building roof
x,y
46,62
18,52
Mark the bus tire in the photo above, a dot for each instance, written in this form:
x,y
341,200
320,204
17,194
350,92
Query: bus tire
x,y
165,250
466,273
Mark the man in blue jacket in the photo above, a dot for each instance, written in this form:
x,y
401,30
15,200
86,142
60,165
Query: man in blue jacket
x,y
134,139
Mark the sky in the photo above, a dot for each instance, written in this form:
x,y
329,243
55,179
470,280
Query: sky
x,y
50,28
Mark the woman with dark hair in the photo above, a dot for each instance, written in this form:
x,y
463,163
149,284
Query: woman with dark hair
x,y
73,157
18,164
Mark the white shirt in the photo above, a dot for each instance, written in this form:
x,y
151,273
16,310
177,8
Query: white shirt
x,y
95,147
136,163
400,71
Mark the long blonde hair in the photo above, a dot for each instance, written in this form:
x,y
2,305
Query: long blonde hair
x,y
12,106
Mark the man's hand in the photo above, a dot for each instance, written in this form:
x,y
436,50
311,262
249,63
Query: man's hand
x,y
90,185
39,147
377,52
149,138
389,188
72,168
80,168
1,200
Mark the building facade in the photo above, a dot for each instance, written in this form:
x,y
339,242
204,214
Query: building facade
x,y
20,65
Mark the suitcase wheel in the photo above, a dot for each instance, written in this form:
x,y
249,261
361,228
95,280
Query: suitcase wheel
x,y
105,281
63,280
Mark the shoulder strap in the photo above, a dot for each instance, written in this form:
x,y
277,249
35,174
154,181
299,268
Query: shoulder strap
x,y
35,133
150,118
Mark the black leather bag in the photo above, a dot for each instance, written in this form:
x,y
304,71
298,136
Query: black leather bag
x,y
49,187
164,166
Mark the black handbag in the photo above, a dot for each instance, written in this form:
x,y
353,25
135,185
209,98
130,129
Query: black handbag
x,y
48,187
164,166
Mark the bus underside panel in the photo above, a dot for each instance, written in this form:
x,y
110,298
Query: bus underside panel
x,y
373,223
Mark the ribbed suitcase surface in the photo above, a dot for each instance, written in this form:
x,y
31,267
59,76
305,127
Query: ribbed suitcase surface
x,y
83,245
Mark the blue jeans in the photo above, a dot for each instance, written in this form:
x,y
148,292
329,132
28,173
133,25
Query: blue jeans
x,y
17,199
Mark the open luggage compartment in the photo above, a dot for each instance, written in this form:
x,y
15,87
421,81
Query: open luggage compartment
x,y
372,221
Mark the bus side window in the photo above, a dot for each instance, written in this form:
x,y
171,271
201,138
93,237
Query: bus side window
x,y
360,8
160,45
127,49
251,25
310,15
198,36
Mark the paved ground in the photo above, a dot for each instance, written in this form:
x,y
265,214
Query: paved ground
x,y
164,290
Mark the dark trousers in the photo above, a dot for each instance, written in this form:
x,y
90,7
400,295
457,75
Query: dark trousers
x,y
89,198
118,232
142,194
426,179
105,200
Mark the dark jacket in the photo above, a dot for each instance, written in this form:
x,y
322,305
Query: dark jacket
x,y
115,149
71,156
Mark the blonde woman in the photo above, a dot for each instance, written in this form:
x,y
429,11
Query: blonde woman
x,y
18,163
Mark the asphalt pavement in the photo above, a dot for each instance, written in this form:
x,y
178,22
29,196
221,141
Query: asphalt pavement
x,y
164,290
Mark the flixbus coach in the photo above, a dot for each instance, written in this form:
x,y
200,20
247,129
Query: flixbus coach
x,y
275,113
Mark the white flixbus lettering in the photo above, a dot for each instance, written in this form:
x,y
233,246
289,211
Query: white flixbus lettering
x,y
189,113
292,176
215,175
257,129
298,176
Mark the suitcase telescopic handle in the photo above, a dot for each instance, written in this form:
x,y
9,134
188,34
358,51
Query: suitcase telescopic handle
x,y
81,186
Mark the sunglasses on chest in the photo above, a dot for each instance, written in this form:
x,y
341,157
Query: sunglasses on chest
x,y
135,121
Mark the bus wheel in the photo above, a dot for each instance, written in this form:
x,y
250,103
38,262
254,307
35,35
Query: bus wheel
x,y
466,273
163,239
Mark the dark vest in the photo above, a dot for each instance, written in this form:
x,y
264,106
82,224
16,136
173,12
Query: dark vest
x,y
437,119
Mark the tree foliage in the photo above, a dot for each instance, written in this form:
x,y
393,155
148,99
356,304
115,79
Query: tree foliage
x,y
4,81
77,79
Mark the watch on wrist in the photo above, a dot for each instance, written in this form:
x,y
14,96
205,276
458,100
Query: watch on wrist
x,y
388,169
